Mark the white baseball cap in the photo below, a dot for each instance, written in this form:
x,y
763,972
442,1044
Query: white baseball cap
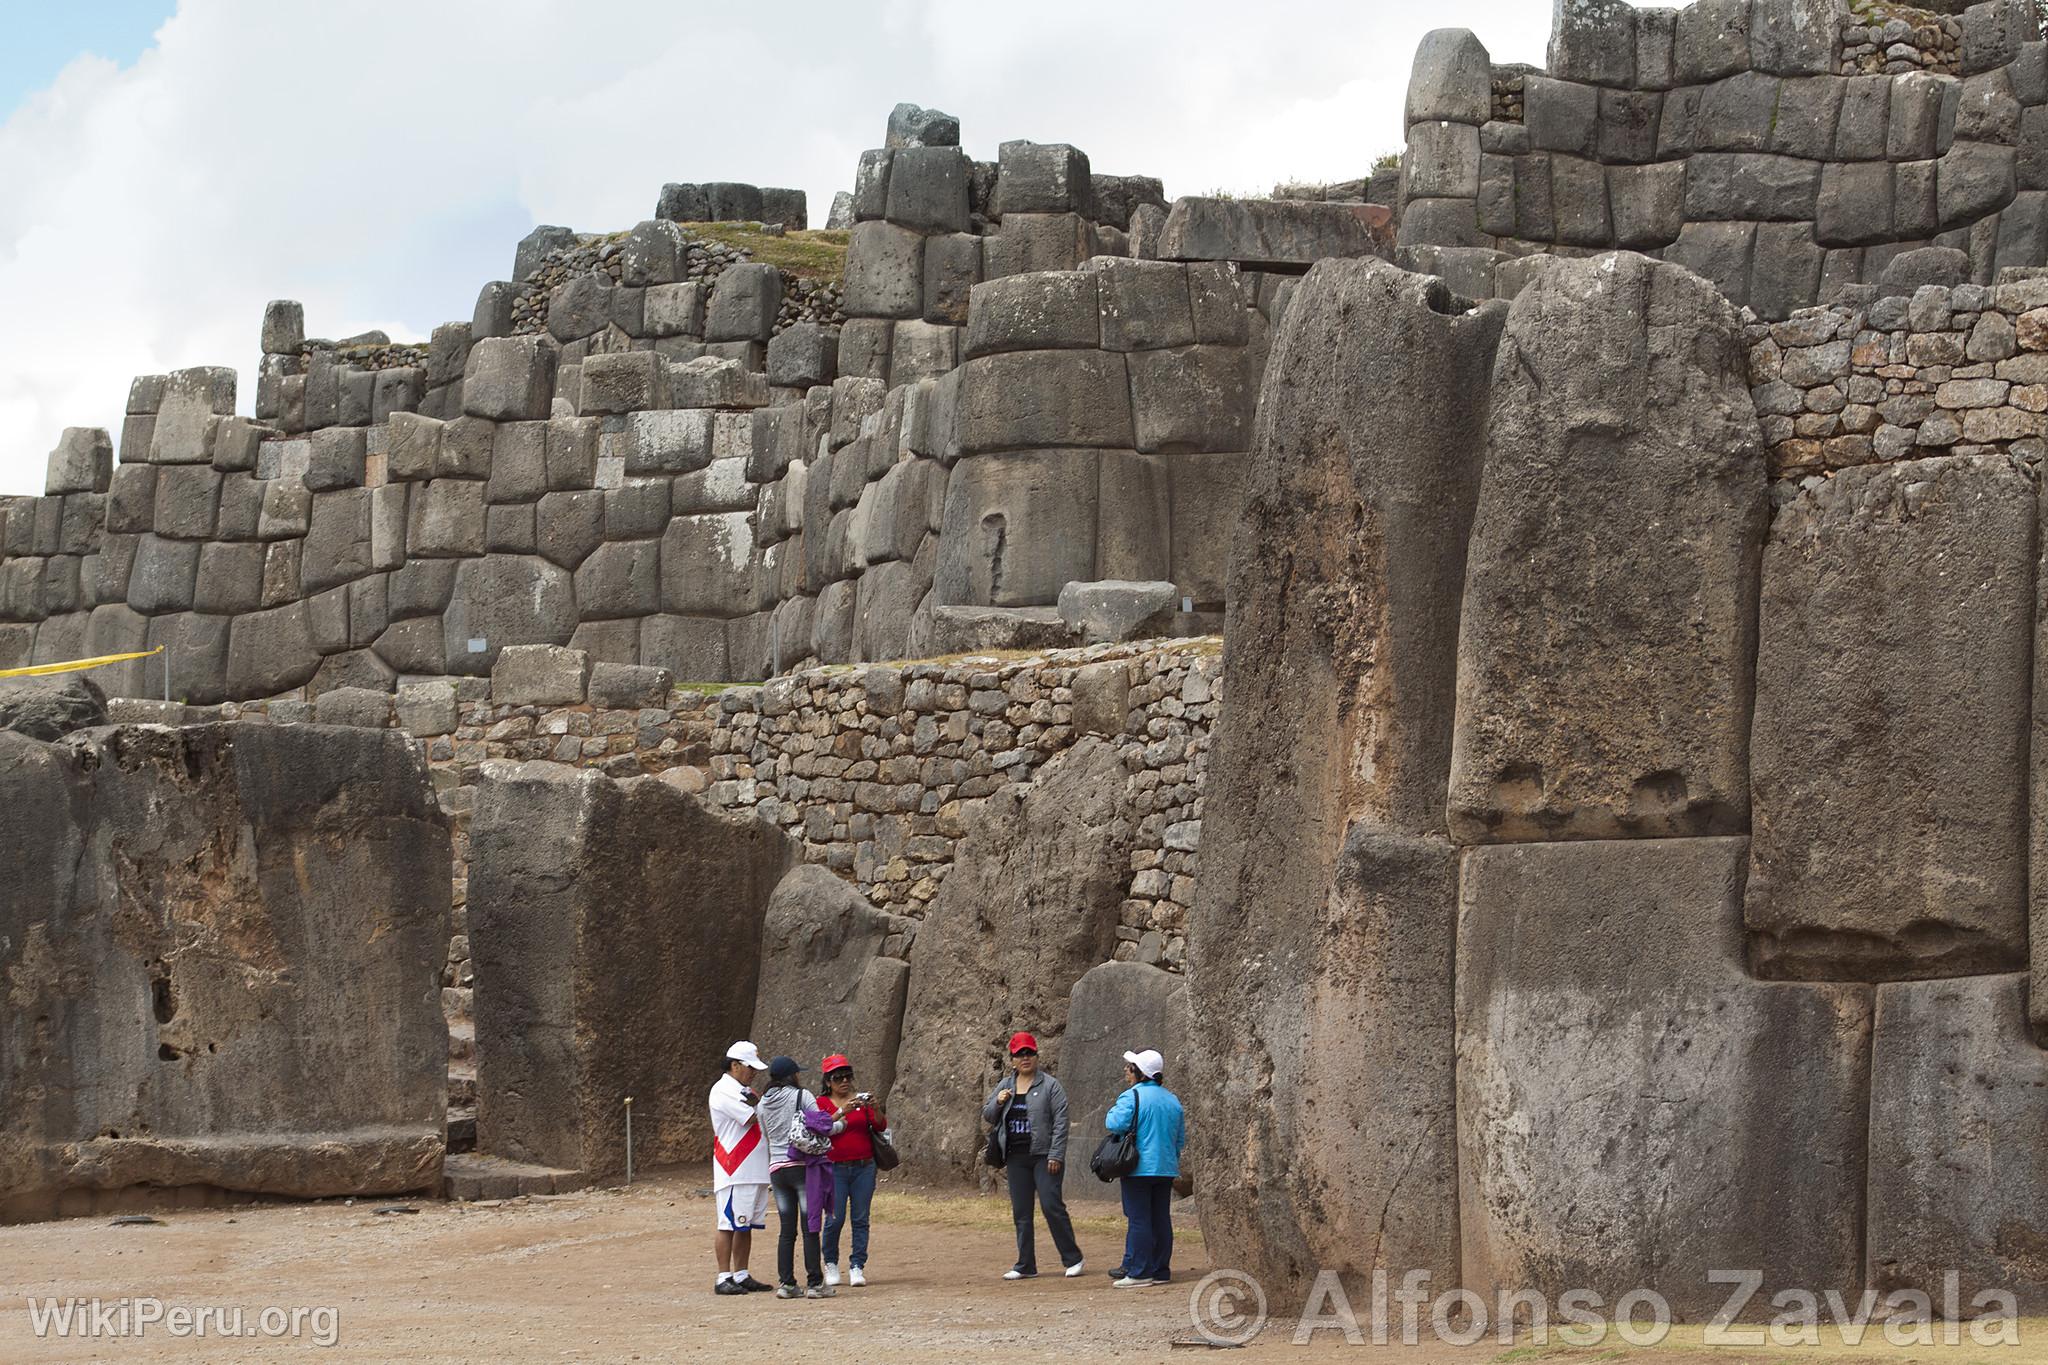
x,y
1148,1062
748,1053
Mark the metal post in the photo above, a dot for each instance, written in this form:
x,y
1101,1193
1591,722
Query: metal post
x,y
167,673
629,1139
775,643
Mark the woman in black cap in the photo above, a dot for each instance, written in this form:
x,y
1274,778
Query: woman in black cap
x,y
780,1107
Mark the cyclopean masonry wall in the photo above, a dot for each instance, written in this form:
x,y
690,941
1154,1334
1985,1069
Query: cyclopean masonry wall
x,y
1768,145
1568,901
672,463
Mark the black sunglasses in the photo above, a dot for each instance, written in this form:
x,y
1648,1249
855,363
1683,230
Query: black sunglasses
x,y
843,1073
1025,1052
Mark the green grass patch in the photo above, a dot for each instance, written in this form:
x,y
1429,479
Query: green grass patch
x,y
817,254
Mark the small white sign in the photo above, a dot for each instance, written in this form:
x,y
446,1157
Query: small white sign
x,y
477,644
1187,604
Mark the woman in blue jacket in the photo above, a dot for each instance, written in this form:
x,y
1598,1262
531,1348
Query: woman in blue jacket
x,y
1148,1191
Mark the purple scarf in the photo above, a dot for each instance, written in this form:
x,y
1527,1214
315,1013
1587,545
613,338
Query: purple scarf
x,y
817,1172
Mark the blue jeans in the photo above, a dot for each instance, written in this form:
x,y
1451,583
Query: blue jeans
x,y
1148,1243
853,1188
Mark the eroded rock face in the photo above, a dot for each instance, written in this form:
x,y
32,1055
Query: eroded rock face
x,y
1609,623
229,940
51,709
1958,1179
825,985
1320,944
1894,678
1030,906
1633,1107
616,931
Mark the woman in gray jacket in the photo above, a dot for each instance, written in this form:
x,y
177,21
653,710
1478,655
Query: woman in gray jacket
x,y
1029,1111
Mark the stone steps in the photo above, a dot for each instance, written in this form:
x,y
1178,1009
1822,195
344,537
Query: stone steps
x,y
472,1176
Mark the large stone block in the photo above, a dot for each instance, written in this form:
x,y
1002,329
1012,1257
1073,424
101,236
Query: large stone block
x,y
1256,232
1711,41
446,519
1890,829
1046,310
691,648
1017,528
1028,242
884,271
826,985
540,675
82,462
1029,907
615,931
1611,1049
187,501
1024,399
744,303
1451,79
1751,186
1345,587
1624,486
164,576
928,189
1958,1180
233,936
509,379
502,600
1038,177
803,354
707,566
270,652
1192,398
1443,160
621,578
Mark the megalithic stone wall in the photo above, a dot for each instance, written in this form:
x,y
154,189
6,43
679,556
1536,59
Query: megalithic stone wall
x,y
1716,939
1780,148
220,948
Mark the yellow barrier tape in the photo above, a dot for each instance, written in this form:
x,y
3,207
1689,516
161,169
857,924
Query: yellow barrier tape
x,y
41,670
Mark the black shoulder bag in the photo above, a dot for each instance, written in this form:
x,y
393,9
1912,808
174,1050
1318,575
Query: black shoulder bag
x,y
1116,1155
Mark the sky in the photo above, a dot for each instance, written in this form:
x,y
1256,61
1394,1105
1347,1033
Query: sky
x,y
170,167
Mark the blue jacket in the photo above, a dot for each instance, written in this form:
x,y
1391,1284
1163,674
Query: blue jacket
x,y
1162,1129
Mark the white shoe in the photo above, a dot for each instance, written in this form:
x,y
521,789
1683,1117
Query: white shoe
x,y
1129,1282
1074,1270
831,1272
1020,1274
853,1277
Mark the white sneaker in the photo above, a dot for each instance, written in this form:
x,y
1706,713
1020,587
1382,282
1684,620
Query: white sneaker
x,y
853,1277
1129,1282
1076,1268
1020,1274
831,1272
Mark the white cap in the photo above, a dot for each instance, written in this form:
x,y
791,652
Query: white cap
x,y
746,1052
1148,1062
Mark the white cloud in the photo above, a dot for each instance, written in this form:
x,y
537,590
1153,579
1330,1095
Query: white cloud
x,y
379,162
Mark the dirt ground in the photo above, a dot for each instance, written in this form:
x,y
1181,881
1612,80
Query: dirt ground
x,y
626,1275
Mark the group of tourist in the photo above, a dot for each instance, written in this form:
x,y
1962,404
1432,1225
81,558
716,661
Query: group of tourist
x,y
815,1156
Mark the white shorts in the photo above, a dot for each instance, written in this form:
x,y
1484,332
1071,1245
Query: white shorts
x,y
742,1208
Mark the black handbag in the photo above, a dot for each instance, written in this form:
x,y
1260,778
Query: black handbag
x,y
1116,1155
992,1154
886,1158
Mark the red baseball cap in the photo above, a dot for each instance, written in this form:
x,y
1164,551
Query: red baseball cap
x,y
833,1063
1020,1041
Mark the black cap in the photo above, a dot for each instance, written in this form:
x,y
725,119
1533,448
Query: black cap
x,y
782,1068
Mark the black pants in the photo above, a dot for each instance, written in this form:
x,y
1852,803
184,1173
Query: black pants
x,y
1028,1176
788,1185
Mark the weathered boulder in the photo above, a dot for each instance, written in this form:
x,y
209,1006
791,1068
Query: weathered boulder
x,y
1320,941
615,931
1117,1007
1108,610
1958,1178
1272,231
49,709
1611,1052
827,984
1624,489
233,935
1030,906
1890,756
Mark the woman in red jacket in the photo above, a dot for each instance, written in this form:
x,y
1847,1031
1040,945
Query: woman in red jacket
x,y
853,1166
